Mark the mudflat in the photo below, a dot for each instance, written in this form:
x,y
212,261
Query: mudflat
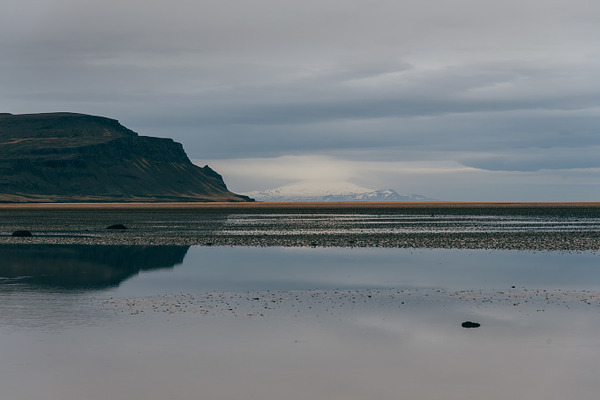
x,y
518,226
336,317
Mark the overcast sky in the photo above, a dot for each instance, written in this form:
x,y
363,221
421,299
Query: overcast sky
x,y
452,99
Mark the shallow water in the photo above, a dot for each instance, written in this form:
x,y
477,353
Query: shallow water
x,y
144,322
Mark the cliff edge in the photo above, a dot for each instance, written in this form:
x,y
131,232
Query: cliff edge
x,y
65,157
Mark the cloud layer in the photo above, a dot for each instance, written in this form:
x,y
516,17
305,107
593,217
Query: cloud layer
x,y
442,180
503,88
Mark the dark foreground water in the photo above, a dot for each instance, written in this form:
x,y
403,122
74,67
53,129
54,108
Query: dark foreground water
x,y
218,322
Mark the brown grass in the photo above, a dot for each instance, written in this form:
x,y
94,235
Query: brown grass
x,y
311,205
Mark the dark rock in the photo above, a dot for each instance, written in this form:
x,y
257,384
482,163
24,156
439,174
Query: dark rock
x,y
116,226
470,324
21,234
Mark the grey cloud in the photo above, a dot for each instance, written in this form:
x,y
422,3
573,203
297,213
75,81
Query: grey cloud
x,y
477,82
453,133
536,159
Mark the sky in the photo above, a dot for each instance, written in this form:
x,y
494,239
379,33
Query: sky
x,y
462,100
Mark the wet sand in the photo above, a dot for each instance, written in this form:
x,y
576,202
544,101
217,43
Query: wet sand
x,y
518,226
336,303
292,322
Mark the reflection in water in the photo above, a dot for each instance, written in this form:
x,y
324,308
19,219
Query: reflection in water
x,y
80,266
297,323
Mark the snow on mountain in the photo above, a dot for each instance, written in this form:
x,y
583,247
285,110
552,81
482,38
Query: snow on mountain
x,y
329,191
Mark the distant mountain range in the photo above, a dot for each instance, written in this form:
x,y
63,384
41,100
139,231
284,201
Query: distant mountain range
x,y
330,191
65,157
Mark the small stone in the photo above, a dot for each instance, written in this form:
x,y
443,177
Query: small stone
x,y
470,324
21,234
116,226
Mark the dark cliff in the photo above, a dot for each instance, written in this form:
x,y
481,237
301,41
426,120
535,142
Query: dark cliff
x,y
63,157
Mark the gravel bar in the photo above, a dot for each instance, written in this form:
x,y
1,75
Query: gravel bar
x,y
556,227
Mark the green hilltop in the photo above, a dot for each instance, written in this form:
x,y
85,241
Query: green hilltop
x,y
66,157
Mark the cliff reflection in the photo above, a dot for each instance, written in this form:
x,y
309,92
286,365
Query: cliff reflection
x,y
82,266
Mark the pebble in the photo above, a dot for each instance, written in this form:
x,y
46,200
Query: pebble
x,y
287,303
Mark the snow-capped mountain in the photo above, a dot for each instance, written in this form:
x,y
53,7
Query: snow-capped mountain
x,y
329,191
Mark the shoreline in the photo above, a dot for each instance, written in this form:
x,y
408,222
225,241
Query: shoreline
x,y
298,205
509,226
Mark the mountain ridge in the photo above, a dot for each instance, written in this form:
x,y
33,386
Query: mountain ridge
x,y
330,192
68,157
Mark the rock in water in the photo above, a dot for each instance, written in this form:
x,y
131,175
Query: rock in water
x,y
470,324
64,157
117,226
21,234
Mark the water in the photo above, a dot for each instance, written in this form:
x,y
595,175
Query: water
x,y
181,322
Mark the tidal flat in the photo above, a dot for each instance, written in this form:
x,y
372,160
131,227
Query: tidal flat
x,y
509,226
300,302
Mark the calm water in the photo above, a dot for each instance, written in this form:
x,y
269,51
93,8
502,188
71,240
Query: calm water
x,y
135,322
